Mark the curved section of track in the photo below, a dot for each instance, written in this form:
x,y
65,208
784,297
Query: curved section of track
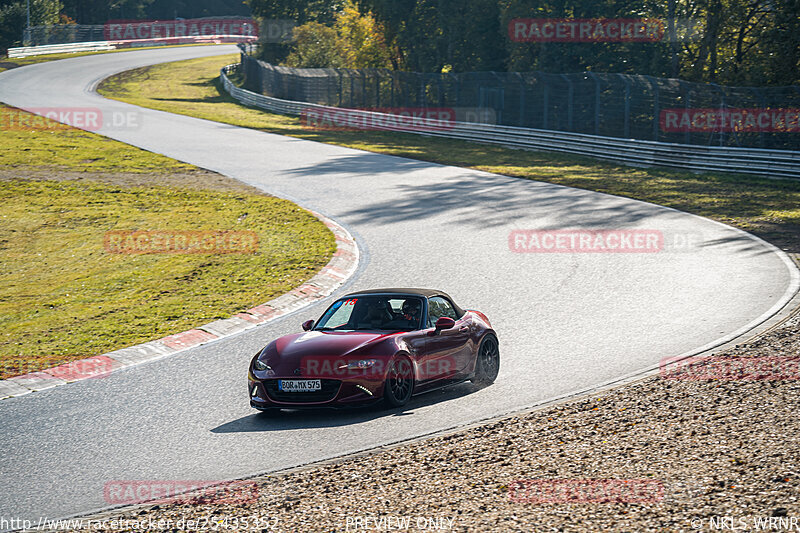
x,y
566,321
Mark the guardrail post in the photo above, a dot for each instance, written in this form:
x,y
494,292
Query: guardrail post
x,y
378,89
627,124
392,75
570,94
260,79
457,88
596,102
521,121
656,106
722,106
686,105
501,100
352,87
341,86
762,104
363,88
545,104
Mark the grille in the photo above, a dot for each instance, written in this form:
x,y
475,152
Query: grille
x,y
330,387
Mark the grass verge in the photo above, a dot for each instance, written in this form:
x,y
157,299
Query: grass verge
x,y
63,296
29,141
768,208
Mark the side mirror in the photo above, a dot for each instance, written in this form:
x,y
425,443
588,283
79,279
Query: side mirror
x,y
307,325
445,323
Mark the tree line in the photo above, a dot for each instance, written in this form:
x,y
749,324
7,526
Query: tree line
x,y
732,42
13,13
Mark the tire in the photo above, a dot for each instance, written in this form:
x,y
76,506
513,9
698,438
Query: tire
x,y
487,365
399,384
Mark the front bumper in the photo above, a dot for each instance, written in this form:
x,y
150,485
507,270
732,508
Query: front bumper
x,y
264,393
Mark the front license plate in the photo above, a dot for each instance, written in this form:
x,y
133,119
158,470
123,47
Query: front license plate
x,y
299,385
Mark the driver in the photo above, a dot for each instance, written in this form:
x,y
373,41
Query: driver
x,y
377,315
411,311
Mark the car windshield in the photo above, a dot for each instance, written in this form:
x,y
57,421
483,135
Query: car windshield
x,y
384,313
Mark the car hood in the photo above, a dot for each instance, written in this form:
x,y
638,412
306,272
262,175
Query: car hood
x,y
294,348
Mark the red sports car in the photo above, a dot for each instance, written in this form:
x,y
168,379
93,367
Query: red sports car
x,y
377,345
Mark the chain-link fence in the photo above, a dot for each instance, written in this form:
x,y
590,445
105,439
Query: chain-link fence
x,y
142,30
63,34
612,105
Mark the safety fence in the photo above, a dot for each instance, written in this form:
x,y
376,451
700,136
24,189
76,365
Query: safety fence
x,y
129,30
607,105
100,46
770,163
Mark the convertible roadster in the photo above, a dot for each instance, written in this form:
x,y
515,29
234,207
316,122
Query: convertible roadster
x,y
376,345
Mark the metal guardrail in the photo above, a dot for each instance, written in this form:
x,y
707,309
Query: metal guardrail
x,y
625,106
100,46
769,163
25,51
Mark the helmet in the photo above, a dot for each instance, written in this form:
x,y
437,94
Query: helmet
x,y
411,307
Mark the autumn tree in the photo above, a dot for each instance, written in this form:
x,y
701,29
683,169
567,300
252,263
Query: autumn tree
x,y
355,40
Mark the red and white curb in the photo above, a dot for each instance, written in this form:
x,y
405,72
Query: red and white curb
x,y
341,267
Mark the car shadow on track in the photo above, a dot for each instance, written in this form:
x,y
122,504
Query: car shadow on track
x,y
316,418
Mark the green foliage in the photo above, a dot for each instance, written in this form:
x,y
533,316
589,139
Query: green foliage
x,y
361,38
12,24
433,35
100,11
44,12
316,46
301,11
733,42
355,40
13,19
563,57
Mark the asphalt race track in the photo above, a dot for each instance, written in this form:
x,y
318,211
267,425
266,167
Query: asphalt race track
x,y
566,321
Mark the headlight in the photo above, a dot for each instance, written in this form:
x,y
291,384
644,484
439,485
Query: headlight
x,y
360,365
261,365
